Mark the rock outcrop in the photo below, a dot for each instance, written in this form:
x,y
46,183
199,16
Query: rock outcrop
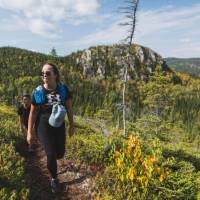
x,y
105,61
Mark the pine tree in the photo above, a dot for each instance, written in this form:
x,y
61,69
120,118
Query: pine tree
x,y
53,52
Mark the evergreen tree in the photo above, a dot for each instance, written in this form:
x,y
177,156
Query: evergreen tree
x,y
53,52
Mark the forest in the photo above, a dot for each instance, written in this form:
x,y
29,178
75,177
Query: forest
x,y
157,158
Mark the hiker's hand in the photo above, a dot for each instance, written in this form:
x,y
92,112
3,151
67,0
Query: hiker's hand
x,y
24,131
71,131
29,138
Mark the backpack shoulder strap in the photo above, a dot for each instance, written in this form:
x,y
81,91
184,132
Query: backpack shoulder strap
x,y
62,91
39,95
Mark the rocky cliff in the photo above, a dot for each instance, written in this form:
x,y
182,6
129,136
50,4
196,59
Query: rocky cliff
x,y
105,61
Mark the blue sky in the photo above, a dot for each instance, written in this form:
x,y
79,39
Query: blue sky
x,y
170,27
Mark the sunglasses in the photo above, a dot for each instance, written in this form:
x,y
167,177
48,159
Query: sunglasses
x,y
47,73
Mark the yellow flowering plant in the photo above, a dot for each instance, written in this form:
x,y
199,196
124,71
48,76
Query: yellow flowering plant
x,y
132,172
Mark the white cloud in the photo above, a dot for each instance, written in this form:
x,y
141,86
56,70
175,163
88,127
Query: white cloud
x,y
95,19
185,40
172,31
13,23
164,30
171,18
36,26
51,8
16,5
41,27
108,36
85,7
41,16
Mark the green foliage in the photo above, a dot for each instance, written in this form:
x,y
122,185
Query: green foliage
x,y
17,67
87,148
182,155
12,183
151,127
12,174
187,105
175,169
187,65
183,181
158,110
21,73
131,173
89,145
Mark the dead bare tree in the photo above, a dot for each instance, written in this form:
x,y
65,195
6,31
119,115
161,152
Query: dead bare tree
x,y
130,11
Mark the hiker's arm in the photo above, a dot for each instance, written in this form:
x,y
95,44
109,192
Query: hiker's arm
x,y
31,122
21,123
20,114
70,116
22,128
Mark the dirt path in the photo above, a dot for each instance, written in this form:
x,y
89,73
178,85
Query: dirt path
x,y
76,180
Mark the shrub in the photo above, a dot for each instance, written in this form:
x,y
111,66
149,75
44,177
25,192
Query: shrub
x,y
132,172
12,174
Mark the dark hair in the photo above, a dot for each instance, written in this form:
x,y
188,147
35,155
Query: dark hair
x,y
55,70
26,95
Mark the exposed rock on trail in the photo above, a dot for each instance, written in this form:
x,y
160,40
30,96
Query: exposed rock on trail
x,y
76,180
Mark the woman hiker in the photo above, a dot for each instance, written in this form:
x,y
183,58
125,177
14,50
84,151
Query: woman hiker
x,y
53,100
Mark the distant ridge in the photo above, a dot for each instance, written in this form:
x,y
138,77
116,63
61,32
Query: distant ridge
x,y
187,65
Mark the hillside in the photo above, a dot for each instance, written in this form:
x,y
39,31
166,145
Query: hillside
x,y
20,68
100,61
187,65
158,158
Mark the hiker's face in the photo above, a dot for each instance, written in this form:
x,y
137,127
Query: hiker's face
x,y
26,101
48,75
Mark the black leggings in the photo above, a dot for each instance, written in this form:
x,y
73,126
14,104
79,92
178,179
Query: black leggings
x,y
53,141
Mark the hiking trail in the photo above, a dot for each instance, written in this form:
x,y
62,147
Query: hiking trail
x,y
76,179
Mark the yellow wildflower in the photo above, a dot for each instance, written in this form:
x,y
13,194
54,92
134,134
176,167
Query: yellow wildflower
x,y
118,162
157,170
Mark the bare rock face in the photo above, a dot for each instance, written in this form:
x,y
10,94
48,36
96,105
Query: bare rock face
x,y
104,61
